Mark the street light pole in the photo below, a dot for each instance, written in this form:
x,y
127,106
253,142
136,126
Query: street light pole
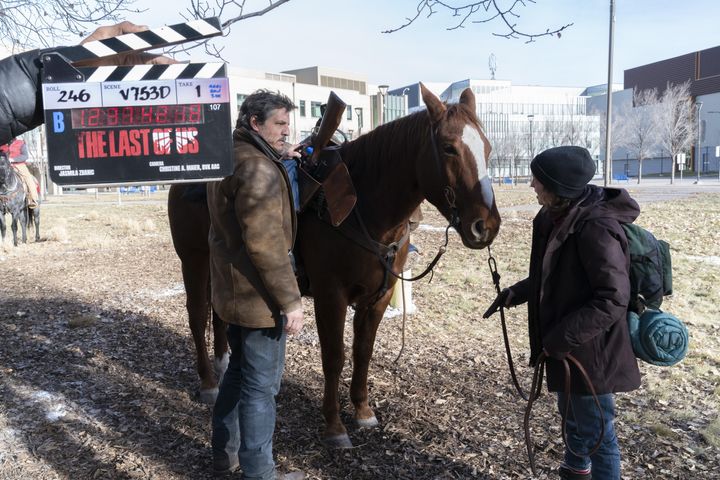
x,y
532,150
359,114
608,117
698,106
383,92
405,100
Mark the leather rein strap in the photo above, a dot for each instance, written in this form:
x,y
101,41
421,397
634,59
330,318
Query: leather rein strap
x,y
535,393
496,280
536,386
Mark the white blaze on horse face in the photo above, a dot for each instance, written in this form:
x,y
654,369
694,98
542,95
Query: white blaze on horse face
x,y
471,137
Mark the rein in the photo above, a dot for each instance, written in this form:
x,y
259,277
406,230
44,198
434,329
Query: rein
x,y
535,393
511,365
535,388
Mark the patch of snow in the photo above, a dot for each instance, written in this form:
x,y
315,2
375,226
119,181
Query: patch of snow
x,y
711,259
55,408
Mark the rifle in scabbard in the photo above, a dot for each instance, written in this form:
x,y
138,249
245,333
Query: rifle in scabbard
x,y
330,121
337,185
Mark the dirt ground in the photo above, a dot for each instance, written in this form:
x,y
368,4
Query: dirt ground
x,y
97,366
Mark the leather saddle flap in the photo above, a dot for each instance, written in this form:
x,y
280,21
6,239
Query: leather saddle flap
x,y
339,194
308,187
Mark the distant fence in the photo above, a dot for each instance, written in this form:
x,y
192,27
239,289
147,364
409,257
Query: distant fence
x,y
659,165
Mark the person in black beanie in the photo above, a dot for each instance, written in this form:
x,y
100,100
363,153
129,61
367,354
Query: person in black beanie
x,y
577,291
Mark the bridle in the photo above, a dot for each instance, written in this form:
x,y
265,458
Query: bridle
x,y
388,258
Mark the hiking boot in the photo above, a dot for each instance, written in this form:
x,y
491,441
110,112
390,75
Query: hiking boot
x,y
223,466
567,473
290,476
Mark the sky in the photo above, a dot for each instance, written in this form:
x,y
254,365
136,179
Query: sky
x,y
348,35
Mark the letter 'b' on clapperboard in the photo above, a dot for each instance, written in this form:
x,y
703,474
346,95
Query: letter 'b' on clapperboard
x,y
139,124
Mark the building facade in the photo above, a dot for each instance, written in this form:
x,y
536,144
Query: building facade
x,y
701,69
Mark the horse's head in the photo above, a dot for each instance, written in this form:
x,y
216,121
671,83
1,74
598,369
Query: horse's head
x,y
456,181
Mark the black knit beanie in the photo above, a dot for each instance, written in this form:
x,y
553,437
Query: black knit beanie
x,y
564,170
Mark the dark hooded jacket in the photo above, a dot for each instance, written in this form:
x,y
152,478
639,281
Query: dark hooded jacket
x,y
20,94
578,290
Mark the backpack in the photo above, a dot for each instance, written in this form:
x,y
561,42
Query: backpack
x,y
657,337
650,269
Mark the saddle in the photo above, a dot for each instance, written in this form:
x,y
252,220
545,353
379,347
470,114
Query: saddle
x,y
325,185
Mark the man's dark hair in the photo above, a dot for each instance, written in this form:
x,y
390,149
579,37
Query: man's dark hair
x,y
260,104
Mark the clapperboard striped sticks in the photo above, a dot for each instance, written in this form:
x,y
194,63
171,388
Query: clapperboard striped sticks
x,y
147,40
154,72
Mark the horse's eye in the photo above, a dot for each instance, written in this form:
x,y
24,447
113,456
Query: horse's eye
x,y
450,149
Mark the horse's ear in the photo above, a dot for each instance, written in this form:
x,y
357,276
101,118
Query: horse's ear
x,y
467,97
435,107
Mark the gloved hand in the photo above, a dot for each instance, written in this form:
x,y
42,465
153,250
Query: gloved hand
x,y
502,300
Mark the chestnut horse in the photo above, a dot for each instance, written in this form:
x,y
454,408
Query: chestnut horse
x,y
440,155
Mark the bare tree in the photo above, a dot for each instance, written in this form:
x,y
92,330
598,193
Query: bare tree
x,y
616,129
229,12
639,126
515,151
485,11
676,124
588,134
44,23
499,155
553,132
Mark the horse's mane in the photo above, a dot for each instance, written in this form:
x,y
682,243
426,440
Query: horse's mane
x,y
389,146
376,155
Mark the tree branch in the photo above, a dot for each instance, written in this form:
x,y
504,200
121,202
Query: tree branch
x,y
489,11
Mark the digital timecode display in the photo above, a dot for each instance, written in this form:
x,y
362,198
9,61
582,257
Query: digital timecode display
x,y
137,116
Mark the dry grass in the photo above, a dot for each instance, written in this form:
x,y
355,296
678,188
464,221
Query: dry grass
x,y
97,367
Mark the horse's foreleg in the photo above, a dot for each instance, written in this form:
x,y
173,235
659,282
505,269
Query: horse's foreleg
x,y
196,277
23,224
14,227
365,325
220,347
330,319
35,212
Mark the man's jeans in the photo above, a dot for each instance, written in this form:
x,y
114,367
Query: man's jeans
x,y
583,431
244,413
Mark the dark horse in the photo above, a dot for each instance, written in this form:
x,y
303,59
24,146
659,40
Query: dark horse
x,y
13,200
440,155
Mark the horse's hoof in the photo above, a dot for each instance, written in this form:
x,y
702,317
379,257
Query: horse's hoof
x,y
338,441
367,422
208,396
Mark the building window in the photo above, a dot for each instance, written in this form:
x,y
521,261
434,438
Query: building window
x,y
348,111
302,108
315,111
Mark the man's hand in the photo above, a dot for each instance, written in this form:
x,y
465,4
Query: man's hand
x,y
294,321
291,150
502,300
139,58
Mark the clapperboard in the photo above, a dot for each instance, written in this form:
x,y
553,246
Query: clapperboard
x,y
137,125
